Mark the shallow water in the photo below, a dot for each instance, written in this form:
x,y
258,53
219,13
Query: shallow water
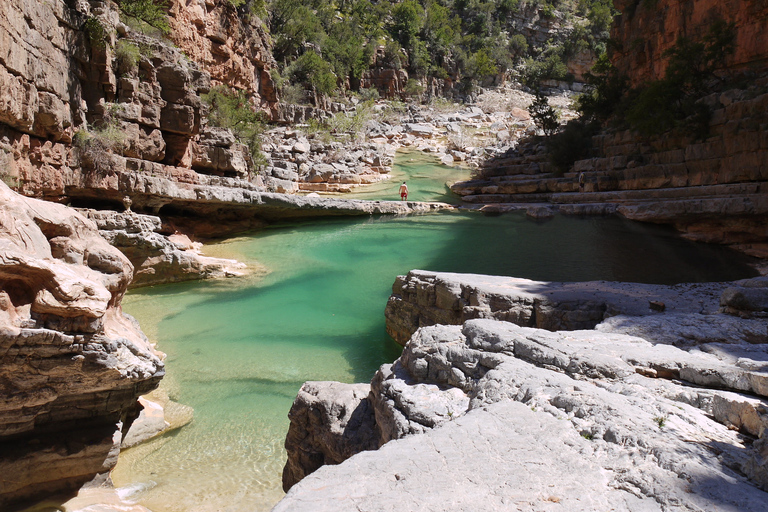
x,y
239,350
427,180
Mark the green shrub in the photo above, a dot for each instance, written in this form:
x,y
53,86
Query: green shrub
x,y
95,32
673,102
368,94
96,145
413,88
544,116
607,88
229,108
128,56
315,73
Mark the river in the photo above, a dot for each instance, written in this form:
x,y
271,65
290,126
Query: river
x,y
238,350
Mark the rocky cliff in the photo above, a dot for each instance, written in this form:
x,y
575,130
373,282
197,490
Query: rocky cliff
x,y
232,45
648,411
97,114
645,30
72,365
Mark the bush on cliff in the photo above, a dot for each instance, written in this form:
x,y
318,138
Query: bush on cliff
x,y
230,109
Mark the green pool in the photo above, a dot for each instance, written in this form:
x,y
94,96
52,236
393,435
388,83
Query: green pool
x,y
239,350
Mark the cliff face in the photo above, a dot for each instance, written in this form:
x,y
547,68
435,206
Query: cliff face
x,y
72,365
645,30
94,115
230,44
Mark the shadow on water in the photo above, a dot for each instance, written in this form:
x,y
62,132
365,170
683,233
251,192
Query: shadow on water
x,y
572,249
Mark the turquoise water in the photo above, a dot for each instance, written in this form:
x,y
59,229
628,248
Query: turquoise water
x,y
239,350
427,180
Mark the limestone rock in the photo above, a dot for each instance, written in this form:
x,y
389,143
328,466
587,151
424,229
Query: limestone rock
x,y
158,258
576,405
426,298
330,422
644,395
72,364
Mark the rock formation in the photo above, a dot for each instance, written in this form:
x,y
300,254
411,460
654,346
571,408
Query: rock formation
x,y
647,30
73,365
489,414
157,258
232,45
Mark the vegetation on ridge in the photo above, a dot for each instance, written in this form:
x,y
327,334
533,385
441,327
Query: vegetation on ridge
x,y
462,41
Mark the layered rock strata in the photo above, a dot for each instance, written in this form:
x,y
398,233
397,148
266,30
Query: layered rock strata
x,y
158,258
608,420
232,45
423,298
72,364
714,190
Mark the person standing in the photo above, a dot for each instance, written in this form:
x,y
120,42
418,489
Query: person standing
x,y
581,182
403,192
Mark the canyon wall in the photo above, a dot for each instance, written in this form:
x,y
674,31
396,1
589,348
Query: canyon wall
x,y
712,187
232,45
72,365
645,30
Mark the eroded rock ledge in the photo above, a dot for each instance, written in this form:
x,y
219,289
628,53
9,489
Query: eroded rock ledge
x,y
72,365
492,415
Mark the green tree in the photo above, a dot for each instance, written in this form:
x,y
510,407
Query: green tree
x,y
543,114
152,12
407,20
229,108
311,70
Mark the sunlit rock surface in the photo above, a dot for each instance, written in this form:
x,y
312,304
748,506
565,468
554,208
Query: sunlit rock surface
x,y
73,365
490,414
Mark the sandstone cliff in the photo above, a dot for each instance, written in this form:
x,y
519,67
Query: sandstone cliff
x,y
72,365
232,45
646,30
649,411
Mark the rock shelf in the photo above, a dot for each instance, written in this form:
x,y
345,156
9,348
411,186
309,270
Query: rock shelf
x,y
637,413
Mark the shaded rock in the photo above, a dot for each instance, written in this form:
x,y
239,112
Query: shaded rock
x,y
749,298
157,258
72,364
330,422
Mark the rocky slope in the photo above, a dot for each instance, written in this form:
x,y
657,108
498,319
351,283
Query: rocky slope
x,y
72,364
491,414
